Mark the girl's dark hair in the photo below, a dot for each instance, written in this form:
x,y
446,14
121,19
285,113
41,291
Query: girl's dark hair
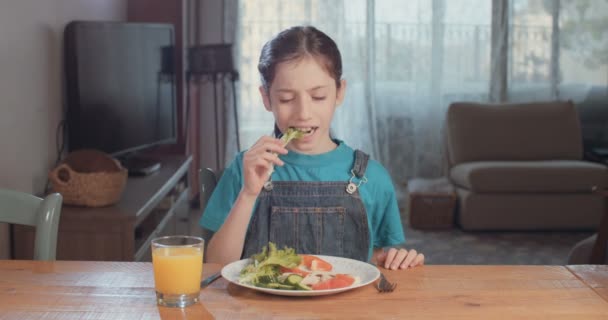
x,y
295,43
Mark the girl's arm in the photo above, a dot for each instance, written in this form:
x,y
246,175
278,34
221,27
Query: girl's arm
x,y
390,228
227,243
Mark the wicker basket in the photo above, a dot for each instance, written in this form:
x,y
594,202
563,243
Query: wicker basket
x,y
89,178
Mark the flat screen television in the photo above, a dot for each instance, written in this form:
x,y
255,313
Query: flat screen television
x,y
120,88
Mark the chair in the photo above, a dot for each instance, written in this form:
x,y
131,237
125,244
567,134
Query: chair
x,y
43,214
520,167
594,249
208,181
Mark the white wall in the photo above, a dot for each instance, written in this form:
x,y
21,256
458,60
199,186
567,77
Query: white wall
x,y
31,99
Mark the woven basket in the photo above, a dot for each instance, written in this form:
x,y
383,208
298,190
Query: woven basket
x,y
89,178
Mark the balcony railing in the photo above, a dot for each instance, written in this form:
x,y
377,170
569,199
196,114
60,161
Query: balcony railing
x,y
404,56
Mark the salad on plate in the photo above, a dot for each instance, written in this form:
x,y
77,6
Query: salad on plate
x,y
284,269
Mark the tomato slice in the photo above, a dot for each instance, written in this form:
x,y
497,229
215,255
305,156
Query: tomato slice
x,y
315,263
339,281
309,263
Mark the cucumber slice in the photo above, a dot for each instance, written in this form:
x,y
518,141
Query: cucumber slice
x,y
293,279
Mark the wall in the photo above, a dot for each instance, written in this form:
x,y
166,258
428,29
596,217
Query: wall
x,y
31,100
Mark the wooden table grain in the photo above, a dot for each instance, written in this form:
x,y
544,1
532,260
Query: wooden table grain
x,y
594,276
125,290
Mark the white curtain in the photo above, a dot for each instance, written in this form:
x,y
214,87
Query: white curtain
x,y
406,61
559,50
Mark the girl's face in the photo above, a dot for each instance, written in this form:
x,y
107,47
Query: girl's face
x,y
304,95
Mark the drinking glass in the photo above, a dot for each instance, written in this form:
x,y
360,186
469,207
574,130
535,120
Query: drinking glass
x,y
178,265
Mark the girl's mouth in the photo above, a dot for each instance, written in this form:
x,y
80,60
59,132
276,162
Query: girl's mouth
x,y
307,131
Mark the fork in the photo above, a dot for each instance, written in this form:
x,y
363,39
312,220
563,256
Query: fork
x,y
384,285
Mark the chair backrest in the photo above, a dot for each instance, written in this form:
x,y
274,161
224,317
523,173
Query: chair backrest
x,y
208,181
530,131
599,253
594,249
43,214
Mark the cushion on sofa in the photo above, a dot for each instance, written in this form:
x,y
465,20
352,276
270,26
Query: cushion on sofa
x,y
529,211
530,176
524,132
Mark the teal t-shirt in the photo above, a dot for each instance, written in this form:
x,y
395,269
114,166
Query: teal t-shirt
x,y
378,194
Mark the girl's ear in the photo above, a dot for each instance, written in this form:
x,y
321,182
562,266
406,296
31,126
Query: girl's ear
x,y
265,98
341,92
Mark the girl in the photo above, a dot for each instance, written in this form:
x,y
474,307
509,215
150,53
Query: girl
x,y
316,194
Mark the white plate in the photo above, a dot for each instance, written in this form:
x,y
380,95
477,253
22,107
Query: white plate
x,y
363,272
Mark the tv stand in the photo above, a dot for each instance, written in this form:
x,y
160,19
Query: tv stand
x,y
151,206
140,165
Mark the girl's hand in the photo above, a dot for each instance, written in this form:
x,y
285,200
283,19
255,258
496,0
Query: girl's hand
x,y
258,162
398,258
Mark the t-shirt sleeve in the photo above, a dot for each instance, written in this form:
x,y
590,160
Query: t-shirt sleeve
x,y
223,197
389,231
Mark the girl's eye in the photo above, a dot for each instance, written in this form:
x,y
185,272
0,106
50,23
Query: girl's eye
x,y
318,98
285,100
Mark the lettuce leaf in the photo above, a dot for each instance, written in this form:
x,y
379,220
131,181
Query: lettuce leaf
x,y
291,134
265,266
286,257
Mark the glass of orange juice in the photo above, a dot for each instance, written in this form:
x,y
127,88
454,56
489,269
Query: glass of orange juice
x,y
178,265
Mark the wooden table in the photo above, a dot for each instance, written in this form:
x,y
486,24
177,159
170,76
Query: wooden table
x,y
124,290
594,276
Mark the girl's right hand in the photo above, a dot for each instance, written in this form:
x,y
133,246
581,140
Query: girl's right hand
x,y
258,162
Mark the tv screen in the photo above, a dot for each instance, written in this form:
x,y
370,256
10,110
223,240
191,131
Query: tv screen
x,y
121,97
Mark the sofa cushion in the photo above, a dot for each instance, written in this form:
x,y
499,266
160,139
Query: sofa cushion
x,y
522,132
529,211
530,176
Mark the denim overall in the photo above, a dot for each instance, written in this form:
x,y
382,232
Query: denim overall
x,y
325,218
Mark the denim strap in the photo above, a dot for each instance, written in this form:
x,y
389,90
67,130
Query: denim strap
x,y
361,159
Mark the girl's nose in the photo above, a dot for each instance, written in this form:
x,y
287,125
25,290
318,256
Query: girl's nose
x,y
304,108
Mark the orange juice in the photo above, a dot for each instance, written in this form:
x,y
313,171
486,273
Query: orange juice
x,y
177,270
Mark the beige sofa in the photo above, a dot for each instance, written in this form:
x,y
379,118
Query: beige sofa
x,y
520,167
